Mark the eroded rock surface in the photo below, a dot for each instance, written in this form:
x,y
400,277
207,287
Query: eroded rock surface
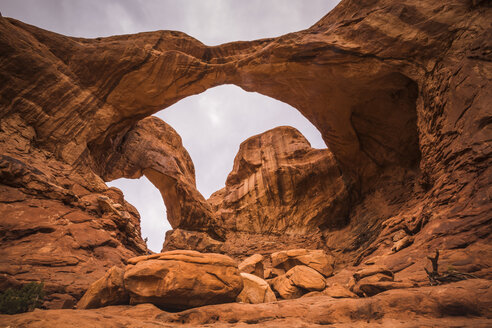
x,y
182,279
465,303
399,91
279,184
58,224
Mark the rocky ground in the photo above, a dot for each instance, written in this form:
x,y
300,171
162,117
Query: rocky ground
x,y
461,304
180,288
400,92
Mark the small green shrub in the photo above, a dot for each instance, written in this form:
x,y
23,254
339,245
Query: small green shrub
x,y
24,299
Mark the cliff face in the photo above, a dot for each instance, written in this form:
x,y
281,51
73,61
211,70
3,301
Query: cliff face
x,y
399,91
58,224
279,184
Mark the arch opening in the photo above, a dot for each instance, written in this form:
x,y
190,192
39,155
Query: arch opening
x,y
141,193
218,120
212,125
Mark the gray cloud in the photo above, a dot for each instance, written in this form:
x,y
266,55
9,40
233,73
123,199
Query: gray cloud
x,y
212,21
214,123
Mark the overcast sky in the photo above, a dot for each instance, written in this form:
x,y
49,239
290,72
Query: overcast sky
x,y
214,123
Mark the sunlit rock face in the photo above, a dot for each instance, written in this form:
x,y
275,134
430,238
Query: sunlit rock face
x,y
399,91
279,184
154,149
58,224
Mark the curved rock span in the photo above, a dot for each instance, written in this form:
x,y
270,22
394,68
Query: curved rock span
x,y
399,91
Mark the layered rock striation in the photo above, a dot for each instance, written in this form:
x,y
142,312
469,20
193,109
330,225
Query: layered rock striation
x,y
399,91
279,184
154,149
58,224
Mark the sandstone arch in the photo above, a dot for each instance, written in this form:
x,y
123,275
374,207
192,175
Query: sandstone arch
x,y
363,105
67,105
114,82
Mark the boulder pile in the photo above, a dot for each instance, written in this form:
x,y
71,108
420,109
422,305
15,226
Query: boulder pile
x,y
183,279
295,273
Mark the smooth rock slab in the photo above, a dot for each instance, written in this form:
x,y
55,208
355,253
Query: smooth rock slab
x,y
182,279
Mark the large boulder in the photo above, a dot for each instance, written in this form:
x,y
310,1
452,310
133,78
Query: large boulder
x,y
315,259
298,281
255,290
182,279
108,290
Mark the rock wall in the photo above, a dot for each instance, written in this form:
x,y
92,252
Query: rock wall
x,y
279,184
58,224
399,91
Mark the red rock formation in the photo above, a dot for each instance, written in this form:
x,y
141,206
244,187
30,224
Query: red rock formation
x,y
399,91
465,304
58,225
180,280
279,184
172,280
152,148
